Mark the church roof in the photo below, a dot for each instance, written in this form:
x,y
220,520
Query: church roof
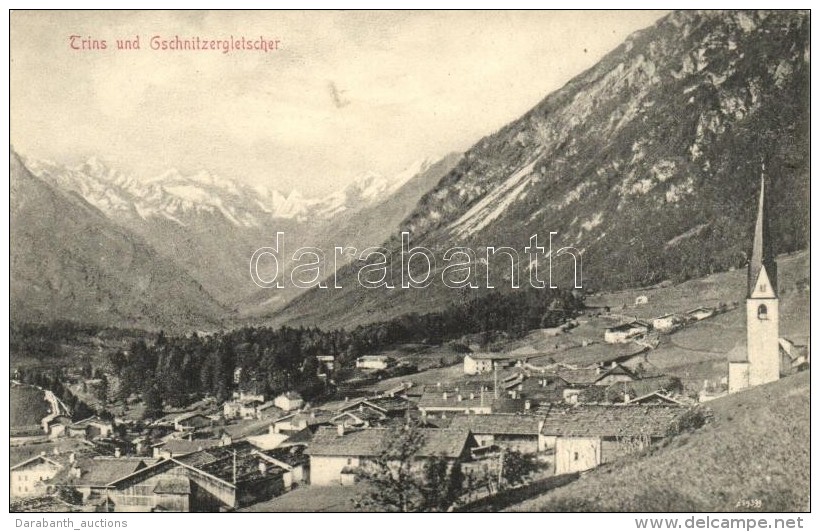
x,y
762,248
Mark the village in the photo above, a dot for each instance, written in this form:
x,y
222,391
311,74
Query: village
x,y
572,397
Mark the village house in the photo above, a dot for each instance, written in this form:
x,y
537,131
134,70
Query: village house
x,y
654,398
289,401
29,478
667,323
90,427
700,313
582,437
479,363
373,362
794,356
268,410
513,432
241,409
595,376
90,476
269,440
625,332
180,447
295,423
337,454
438,400
216,479
57,426
192,421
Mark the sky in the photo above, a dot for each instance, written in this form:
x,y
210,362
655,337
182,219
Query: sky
x,y
344,94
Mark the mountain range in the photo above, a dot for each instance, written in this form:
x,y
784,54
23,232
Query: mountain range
x,y
208,226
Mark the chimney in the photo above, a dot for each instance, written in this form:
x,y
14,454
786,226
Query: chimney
x,y
627,398
472,395
117,452
340,429
347,399
458,398
438,385
527,404
272,429
263,467
614,364
71,458
444,395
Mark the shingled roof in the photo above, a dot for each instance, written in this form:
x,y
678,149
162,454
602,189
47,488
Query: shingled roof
x,y
510,424
610,420
449,443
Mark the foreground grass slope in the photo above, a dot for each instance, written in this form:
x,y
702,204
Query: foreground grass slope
x,y
756,447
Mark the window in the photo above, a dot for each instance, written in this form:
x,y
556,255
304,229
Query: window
x,y
576,457
349,461
762,313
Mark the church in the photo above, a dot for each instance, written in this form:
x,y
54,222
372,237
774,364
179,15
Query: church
x,y
758,360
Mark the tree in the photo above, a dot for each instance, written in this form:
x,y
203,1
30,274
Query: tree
x,y
518,466
399,483
394,485
153,402
443,484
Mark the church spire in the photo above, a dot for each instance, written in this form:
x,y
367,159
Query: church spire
x,y
762,252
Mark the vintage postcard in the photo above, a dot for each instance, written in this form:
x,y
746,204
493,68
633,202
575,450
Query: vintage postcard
x,y
410,261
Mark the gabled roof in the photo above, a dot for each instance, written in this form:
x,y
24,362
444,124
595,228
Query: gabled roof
x,y
100,471
179,447
628,326
38,458
610,420
510,424
449,443
656,395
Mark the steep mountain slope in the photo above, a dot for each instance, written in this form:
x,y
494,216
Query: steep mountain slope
x,y
368,226
68,261
648,164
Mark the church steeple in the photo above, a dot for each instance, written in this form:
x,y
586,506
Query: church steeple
x,y
762,259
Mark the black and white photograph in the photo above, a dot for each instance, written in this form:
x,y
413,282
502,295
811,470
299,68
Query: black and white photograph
x,y
366,261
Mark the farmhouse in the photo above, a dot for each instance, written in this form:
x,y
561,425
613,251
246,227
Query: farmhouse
x,y
91,475
211,480
700,313
28,478
625,332
192,421
595,376
90,427
373,362
582,437
289,401
335,454
478,363
437,400
667,322
180,447
510,431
